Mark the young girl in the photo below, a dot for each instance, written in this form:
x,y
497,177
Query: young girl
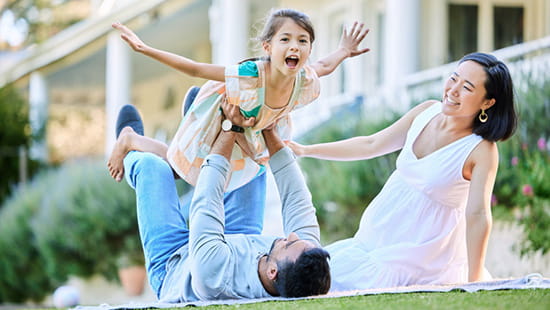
x,y
266,90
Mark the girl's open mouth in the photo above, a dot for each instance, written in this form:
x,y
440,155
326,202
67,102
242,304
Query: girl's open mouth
x,y
291,61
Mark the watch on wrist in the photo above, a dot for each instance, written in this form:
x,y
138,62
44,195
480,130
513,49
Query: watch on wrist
x,y
228,126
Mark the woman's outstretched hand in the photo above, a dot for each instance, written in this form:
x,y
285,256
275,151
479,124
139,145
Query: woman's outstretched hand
x,y
351,39
130,37
297,148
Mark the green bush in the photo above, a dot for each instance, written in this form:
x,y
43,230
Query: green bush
x,y
523,184
523,180
84,222
15,133
73,220
21,264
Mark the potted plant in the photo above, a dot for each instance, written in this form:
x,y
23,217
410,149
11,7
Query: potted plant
x,y
131,267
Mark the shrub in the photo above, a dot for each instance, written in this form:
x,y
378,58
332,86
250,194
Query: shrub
x,y
21,264
84,222
73,220
14,134
523,180
524,183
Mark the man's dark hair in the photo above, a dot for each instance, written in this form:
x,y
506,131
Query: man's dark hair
x,y
309,275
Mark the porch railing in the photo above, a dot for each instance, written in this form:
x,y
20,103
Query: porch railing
x,y
531,58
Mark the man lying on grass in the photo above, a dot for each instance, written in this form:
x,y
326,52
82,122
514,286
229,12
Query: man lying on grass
x,y
194,259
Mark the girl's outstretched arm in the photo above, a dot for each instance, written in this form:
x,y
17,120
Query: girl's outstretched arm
x,y
183,64
348,47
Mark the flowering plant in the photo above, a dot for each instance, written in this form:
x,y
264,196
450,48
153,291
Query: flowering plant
x,y
533,195
523,179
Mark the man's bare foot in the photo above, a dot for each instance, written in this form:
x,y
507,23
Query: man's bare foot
x,y
122,147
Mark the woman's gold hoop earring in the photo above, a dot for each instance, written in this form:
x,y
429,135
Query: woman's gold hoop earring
x,y
483,117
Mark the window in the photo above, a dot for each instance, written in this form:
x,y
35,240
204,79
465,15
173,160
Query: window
x,y
508,26
462,30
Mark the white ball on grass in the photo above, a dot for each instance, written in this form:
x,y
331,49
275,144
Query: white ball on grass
x,y
66,296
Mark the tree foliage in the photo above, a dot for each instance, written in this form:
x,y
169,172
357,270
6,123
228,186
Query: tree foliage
x,y
43,18
15,135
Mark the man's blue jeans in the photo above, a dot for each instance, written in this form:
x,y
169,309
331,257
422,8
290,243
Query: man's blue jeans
x,y
162,218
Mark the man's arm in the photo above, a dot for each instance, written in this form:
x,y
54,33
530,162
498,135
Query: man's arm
x,y
208,253
297,207
272,141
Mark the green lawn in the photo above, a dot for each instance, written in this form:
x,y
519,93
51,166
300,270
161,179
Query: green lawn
x,y
531,299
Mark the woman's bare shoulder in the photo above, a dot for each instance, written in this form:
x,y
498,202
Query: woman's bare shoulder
x,y
485,154
421,107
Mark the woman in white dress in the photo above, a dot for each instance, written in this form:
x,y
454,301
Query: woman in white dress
x,y
430,224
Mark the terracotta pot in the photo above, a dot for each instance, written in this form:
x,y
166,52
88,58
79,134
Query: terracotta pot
x,y
132,279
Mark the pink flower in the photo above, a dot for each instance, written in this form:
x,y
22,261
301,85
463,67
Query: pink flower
x,y
514,161
494,200
541,143
527,190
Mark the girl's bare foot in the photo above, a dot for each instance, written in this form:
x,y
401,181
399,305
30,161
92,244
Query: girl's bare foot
x,y
122,147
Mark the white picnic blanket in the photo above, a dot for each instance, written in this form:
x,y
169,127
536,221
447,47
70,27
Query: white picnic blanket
x,y
532,281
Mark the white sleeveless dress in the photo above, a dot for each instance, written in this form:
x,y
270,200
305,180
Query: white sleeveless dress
x,y
414,231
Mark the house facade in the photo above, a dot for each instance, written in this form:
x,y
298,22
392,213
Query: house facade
x,y
77,80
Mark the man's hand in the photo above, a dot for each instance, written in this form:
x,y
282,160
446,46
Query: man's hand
x,y
351,39
233,113
130,37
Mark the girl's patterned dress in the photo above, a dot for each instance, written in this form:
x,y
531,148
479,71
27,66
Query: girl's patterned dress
x,y
244,86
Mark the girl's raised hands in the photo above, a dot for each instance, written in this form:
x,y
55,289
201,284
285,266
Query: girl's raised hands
x,y
130,37
348,47
351,39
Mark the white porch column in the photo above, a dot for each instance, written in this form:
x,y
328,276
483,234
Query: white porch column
x,y
38,114
117,88
229,35
356,65
435,47
485,20
401,46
